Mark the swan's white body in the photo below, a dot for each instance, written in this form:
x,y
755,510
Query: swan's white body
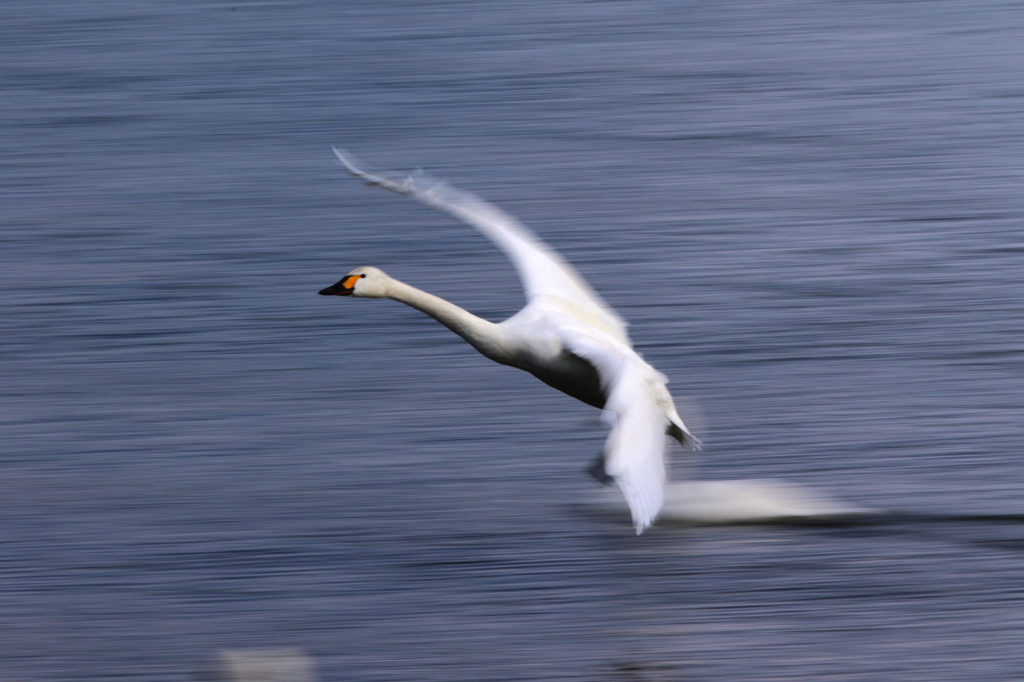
x,y
567,336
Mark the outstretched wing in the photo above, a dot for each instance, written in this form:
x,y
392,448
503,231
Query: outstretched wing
x,y
635,450
544,273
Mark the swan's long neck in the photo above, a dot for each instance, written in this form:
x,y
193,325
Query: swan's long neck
x,y
478,332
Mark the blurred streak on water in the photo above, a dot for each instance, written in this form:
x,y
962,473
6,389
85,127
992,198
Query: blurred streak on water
x,y
810,212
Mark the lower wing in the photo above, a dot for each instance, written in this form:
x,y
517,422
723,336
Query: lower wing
x,y
635,450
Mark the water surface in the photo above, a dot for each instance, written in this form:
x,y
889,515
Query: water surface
x,y
810,213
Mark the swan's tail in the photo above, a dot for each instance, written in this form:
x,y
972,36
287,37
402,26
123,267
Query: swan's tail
x,y
677,429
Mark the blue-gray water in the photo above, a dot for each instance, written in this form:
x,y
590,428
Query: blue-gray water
x,y
811,212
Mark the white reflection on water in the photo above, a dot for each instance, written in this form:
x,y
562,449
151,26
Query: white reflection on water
x,y
747,501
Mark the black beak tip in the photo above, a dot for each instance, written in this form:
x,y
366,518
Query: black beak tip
x,y
329,291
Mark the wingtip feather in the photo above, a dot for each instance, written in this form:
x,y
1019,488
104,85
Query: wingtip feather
x,y
404,188
347,160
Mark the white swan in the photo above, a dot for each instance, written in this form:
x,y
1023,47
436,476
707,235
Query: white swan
x,y
566,336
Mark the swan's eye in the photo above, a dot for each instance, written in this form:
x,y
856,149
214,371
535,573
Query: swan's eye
x,y
362,276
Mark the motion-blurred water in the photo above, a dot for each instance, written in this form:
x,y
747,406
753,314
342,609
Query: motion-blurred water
x,y
811,212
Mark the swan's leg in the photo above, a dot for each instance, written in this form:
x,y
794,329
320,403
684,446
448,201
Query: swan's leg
x,y
598,472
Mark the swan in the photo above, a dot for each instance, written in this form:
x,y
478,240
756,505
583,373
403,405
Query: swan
x,y
567,336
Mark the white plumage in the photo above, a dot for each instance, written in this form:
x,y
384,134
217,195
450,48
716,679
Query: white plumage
x,y
567,336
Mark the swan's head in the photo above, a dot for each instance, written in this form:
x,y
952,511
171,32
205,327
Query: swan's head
x,y
363,282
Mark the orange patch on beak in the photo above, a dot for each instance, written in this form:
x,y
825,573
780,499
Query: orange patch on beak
x,y
350,281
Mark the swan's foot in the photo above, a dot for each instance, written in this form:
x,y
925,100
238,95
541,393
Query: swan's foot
x,y
597,471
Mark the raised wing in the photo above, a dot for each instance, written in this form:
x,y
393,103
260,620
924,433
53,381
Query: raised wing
x,y
635,450
544,273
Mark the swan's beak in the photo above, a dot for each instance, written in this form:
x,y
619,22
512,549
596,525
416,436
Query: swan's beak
x,y
342,288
